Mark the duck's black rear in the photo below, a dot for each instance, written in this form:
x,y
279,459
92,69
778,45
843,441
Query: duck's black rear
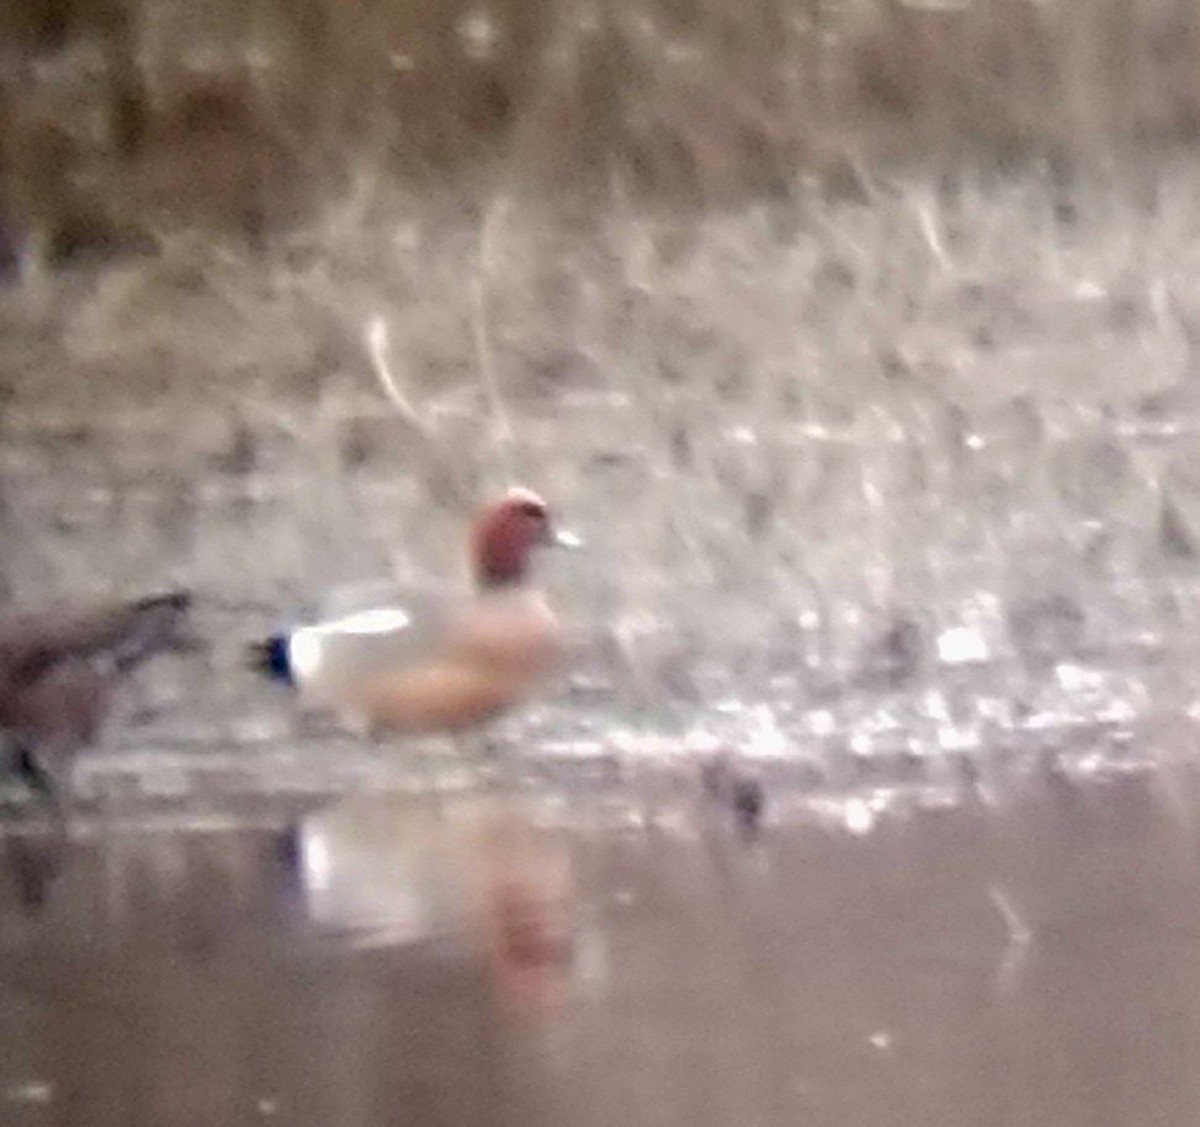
x,y
270,658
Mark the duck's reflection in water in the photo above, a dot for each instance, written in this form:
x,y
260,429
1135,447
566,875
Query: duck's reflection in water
x,y
382,963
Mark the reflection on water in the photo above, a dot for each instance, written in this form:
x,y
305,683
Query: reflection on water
x,y
1026,961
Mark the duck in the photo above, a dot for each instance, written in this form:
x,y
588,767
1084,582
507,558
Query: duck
x,y
387,870
432,664
60,668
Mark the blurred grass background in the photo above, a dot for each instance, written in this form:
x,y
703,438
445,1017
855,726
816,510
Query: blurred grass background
x,y
857,337
120,119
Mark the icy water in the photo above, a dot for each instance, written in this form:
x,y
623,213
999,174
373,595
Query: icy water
x,y
1025,960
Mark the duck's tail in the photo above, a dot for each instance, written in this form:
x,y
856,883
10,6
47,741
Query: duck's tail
x,y
270,658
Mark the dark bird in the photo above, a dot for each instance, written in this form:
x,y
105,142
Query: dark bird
x,y
60,668
748,801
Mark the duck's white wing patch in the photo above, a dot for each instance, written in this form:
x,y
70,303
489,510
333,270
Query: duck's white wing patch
x,y
385,608
380,630
377,620
333,657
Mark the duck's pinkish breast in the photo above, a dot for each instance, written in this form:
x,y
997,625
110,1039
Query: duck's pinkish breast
x,y
518,634
442,697
499,650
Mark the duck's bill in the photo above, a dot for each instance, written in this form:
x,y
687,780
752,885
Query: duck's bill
x,y
562,539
